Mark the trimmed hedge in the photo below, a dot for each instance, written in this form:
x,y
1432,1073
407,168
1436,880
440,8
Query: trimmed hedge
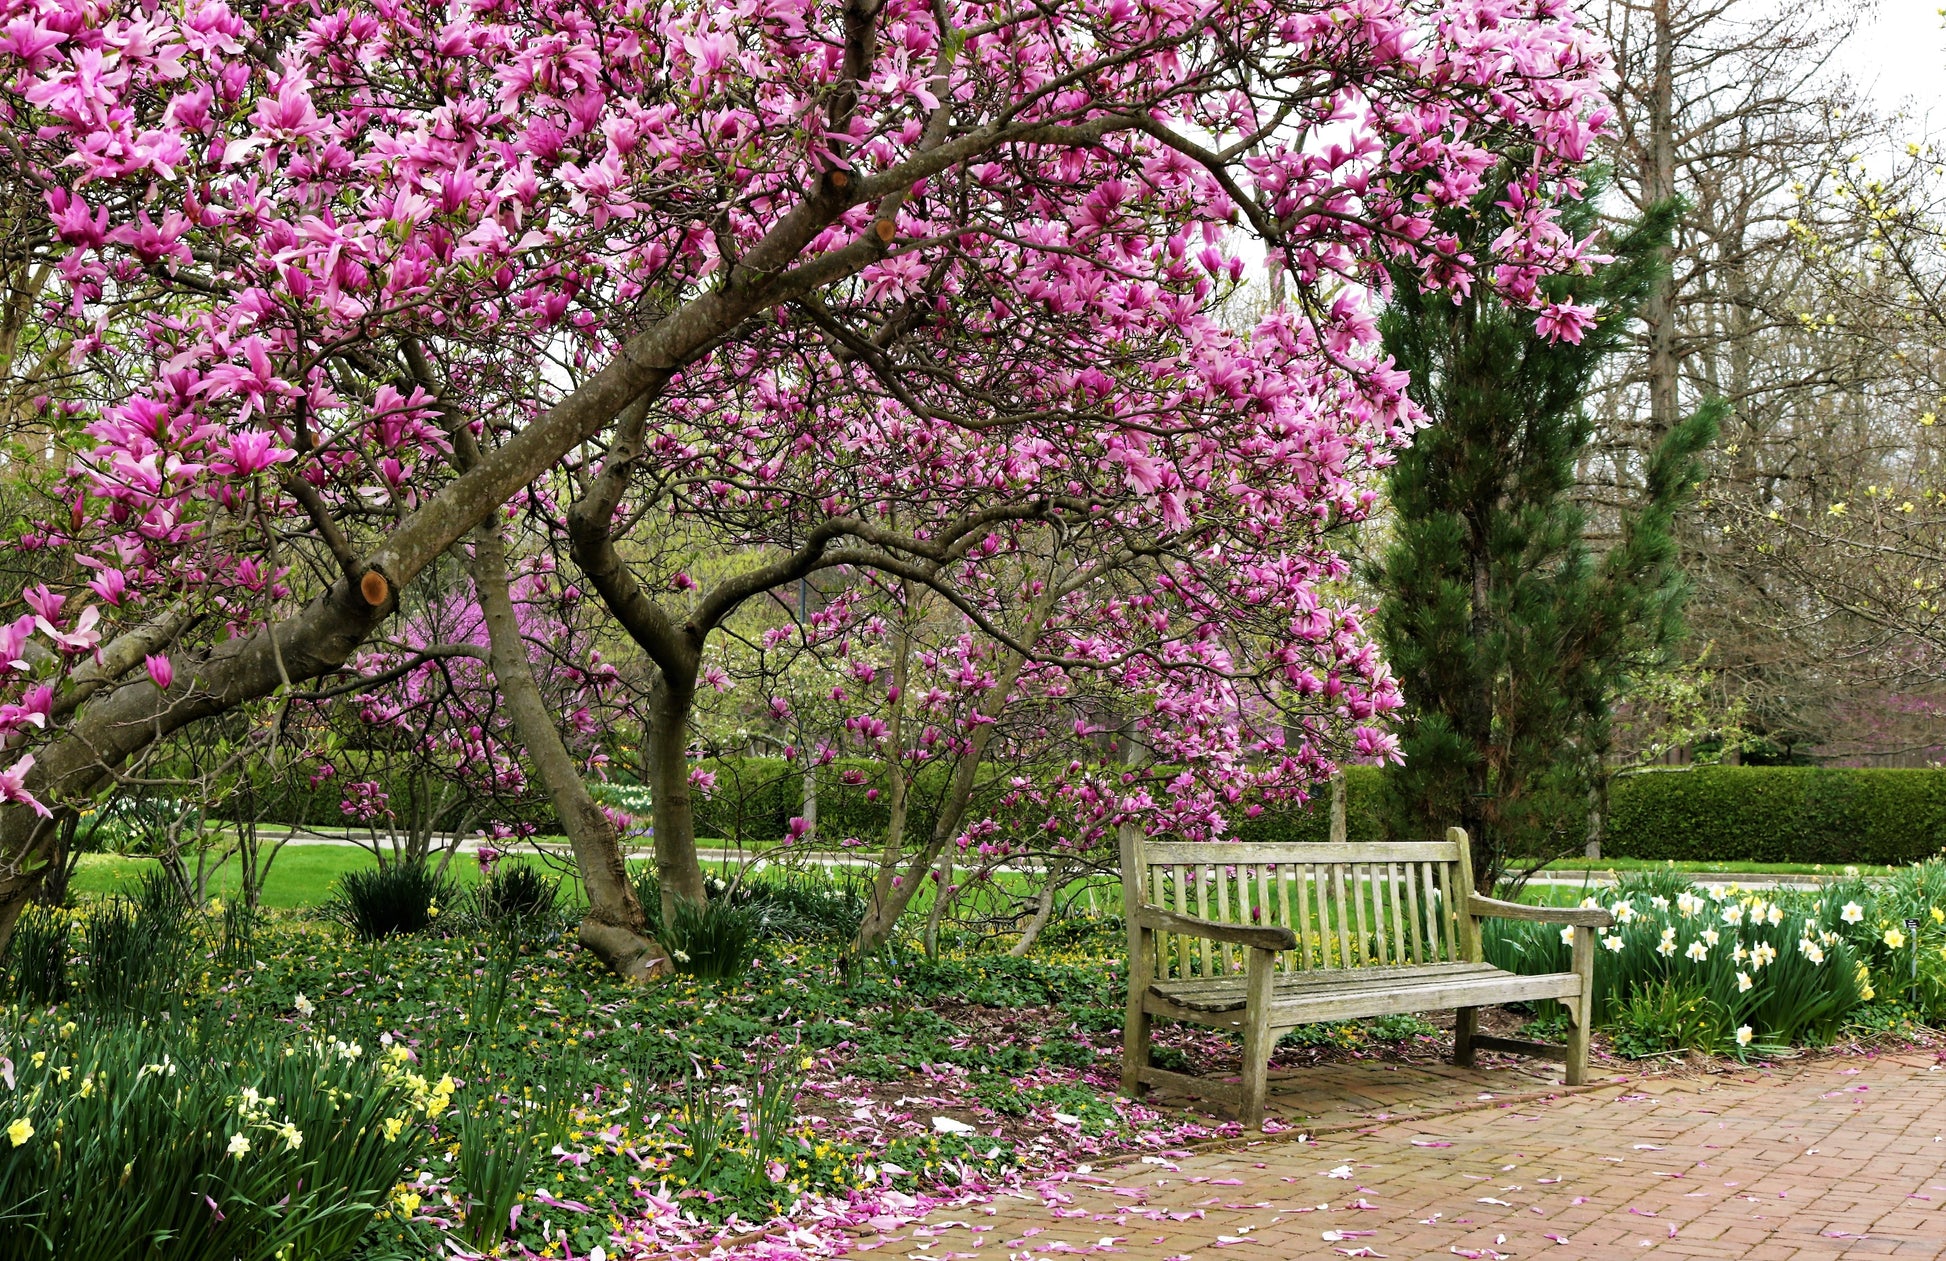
x,y
1779,814
1756,814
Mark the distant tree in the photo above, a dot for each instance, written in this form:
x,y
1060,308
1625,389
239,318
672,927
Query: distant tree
x,y
1511,636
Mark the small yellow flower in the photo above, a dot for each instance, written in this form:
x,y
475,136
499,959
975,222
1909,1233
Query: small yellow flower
x,y
1894,938
393,1126
20,1131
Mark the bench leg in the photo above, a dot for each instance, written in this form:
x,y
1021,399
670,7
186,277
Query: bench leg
x,y
1257,1040
1135,1046
1577,1043
1466,1023
1581,1009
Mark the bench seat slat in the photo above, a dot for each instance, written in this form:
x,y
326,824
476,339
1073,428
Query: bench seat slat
x,y
1346,999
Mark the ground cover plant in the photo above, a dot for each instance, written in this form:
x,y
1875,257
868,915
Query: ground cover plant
x,y
505,1094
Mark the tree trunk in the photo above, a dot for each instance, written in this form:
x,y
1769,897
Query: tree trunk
x,y
1659,311
676,863
613,928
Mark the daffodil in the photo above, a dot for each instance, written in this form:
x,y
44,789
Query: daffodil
x,y
1894,938
1697,951
1744,983
238,1146
1744,1035
1852,913
1613,943
1811,950
20,1131
1567,935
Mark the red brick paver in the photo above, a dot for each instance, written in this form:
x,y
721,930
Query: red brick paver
x,y
1838,1157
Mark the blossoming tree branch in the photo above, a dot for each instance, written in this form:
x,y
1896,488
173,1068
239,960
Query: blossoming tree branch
x,y
344,281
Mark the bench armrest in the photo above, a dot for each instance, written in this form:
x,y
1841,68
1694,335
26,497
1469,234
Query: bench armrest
x,y
1260,937
1578,916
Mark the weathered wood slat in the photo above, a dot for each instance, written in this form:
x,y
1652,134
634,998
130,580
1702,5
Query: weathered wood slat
x,y
1302,982
1353,1002
1521,1046
1180,895
1169,946
1341,911
1266,915
1360,887
1202,912
1196,1087
1397,933
1220,891
1412,912
1300,851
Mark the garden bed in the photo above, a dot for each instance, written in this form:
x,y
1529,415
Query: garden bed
x,y
527,1102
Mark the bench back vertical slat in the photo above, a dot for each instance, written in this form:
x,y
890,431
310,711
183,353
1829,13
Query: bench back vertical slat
x,y
1398,913
1448,926
1412,911
1266,912
1224,912
1469,927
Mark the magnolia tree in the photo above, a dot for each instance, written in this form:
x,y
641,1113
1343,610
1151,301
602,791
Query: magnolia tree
x,y
348,280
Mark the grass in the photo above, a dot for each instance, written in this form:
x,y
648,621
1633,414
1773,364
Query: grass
x,y
303,875
1575,866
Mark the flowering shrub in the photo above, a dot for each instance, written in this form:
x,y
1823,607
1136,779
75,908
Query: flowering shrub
x,y
1716,969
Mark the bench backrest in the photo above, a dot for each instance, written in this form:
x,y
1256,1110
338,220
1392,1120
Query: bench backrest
x,y
1349,905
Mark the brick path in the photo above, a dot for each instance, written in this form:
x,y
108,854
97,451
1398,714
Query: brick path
x,y
1841,1156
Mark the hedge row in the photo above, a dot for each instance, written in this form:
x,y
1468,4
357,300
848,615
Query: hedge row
x,y
1779,814
1705,814
1758,814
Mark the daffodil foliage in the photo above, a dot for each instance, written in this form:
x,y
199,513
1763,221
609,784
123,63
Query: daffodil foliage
x,y
347,278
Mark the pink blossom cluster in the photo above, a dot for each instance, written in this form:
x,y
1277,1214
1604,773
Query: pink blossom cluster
x,y
316,262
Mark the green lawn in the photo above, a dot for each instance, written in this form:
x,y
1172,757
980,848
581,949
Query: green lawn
x,y
302,875
1575,866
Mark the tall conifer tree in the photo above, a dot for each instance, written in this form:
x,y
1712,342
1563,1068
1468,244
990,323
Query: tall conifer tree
x,y
1512,634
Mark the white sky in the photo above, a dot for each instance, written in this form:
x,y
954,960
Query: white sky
x,y
1899,59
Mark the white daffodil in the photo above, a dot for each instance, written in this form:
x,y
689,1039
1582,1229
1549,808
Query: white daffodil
x,y
1697,951
1852,913
1744,983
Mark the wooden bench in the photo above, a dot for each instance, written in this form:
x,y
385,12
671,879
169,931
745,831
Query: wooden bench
x,y
1264,937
